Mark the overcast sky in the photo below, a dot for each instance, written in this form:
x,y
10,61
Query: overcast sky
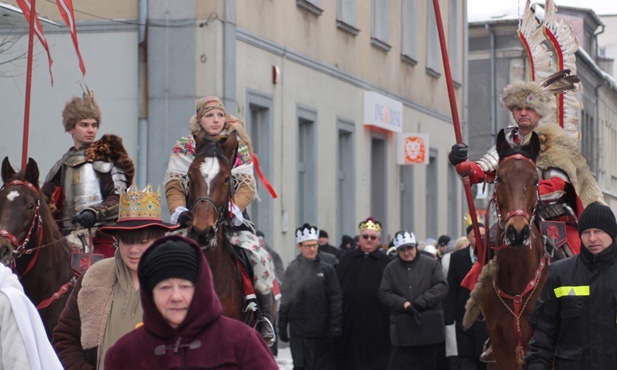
x,y
601,7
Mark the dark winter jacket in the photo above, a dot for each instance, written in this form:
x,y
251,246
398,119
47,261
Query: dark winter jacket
x,y
204,340
420,282
574,318
365,343
312,301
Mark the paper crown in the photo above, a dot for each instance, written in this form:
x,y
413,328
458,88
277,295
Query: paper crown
x,y
370,224
306,232
403,238
136,204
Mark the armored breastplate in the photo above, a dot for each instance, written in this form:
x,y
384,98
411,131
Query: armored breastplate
x,y
81,186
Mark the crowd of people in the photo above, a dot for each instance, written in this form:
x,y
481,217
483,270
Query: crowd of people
x,y
368,304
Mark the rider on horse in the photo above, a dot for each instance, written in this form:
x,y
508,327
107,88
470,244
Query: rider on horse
x,y
566,183
212,117
84,185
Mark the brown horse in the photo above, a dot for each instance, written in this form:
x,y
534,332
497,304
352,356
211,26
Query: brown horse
x,y
31,244
210,190
513,279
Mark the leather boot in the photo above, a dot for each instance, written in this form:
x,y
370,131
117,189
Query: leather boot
x,y
487,355
263,325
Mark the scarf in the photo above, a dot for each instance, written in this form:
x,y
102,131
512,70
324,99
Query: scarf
x,y
40,352
126,311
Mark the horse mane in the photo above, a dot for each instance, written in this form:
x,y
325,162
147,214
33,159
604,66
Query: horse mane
x,y
207,147
517,150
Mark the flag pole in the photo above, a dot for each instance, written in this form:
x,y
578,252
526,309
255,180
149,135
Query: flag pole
x,y
457,132
24,148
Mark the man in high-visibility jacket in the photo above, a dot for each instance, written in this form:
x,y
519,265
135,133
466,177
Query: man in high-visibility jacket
x,y
575,318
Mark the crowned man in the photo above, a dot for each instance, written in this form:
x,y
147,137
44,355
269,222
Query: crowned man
x,y
365,343
311,305
84,185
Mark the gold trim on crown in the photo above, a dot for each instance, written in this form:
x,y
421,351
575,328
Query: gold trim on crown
x,y
136,204
370,225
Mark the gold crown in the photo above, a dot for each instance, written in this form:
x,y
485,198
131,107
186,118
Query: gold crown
x,y
370,224
136,204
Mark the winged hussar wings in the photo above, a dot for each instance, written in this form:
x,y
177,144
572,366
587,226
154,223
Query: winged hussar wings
x,y
551,48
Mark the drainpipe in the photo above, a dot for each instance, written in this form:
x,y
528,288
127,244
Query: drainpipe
x,y
142,95
492,82
596,161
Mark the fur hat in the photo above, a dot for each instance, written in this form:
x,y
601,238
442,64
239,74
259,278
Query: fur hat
x,y
598,216
528,94
78,109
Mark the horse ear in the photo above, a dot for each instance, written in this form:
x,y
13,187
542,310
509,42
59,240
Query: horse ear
x,y
230,147
7,170
534,145
32,172
502,143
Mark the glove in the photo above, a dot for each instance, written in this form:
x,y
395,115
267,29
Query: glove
x,y
184,219
336,332
458,154
463,168
417,307
283,334
86,218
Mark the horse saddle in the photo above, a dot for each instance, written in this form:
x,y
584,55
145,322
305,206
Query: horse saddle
x,y
554,238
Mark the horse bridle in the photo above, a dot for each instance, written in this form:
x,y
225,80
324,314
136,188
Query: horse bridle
x,y
218,209
20,248
515,212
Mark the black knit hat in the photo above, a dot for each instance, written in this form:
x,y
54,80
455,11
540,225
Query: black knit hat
x,y
174,258
470,227
443,240
598,216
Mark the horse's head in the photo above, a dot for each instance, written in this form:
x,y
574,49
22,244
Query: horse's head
x,y
516,189
20,207
210,186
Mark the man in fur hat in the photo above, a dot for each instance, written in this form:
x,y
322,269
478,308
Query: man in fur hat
x,y
566,182
84,185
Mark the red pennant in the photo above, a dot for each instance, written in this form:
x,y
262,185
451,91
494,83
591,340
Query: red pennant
x,y
37,29
66,11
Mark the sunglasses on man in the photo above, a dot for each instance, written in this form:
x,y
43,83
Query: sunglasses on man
x,y
372,237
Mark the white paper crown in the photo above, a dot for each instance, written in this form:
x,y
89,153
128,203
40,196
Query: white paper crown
x,y
404,238
306,233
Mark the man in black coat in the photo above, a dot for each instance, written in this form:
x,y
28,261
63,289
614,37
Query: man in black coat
x,y
311,305
574,318
469,343
325,246
365,343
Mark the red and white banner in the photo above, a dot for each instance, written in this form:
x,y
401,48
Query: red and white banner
x,y
66,11
25,6
412,148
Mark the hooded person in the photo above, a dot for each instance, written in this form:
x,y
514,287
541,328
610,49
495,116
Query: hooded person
x,y
574,318
105,303
183,325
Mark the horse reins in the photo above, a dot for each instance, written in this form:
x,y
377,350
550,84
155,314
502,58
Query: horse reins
x,y
21,247
517,300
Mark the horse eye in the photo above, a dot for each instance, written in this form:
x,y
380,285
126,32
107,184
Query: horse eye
x,y
30,206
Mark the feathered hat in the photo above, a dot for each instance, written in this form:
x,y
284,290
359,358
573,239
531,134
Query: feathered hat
x,y
80,108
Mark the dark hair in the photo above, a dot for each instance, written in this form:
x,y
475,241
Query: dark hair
x,y
260,233
470,227
139,235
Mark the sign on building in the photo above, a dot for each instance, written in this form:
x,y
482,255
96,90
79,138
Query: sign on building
x,y
412,148
381,111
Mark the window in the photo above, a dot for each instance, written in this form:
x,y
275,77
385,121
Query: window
x,y
307,166
311,6
431,195
346,16
379,24
432,44
259,129
379,176
408,31
454,31
345,179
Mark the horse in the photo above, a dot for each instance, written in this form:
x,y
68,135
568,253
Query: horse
x,y
210,189
511,283
31,244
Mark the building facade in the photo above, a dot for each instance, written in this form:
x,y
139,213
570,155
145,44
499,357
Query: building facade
x,y
325,89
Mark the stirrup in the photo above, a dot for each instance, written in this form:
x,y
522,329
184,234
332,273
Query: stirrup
x,y
487,354
268,333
